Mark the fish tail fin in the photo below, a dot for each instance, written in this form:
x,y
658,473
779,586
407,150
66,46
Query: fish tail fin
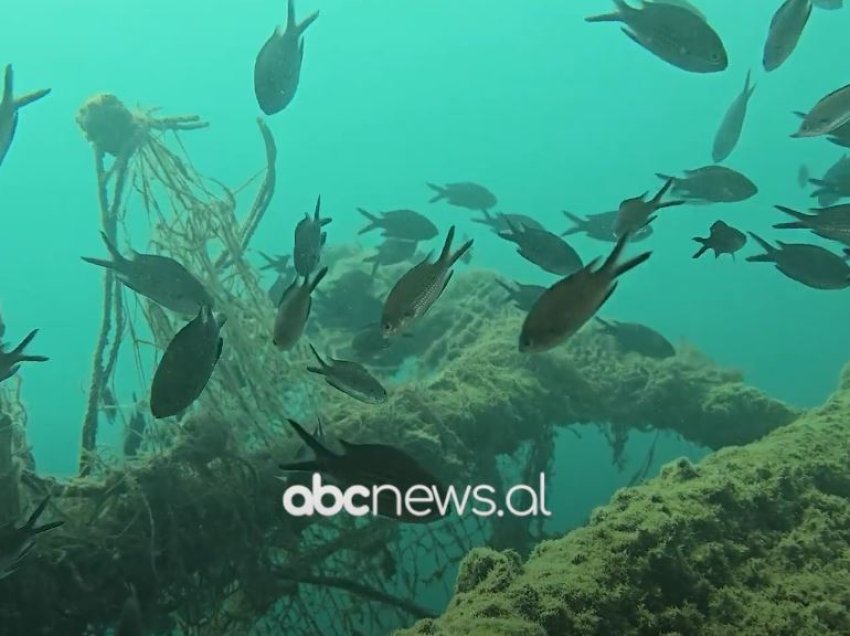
x,y
441,192
463,249
318,209
29,98
671,204
656,200
791,225
100,262
30,527
8,82
749,89
310,19
801,218
631,263
317,447
290,14
374,266
374,221
665,177
445,254
487,220
322,364
113,251
615,16
769,250
318,279
704,246
615,269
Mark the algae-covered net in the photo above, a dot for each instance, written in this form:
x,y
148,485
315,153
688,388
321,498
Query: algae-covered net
x,y
189,517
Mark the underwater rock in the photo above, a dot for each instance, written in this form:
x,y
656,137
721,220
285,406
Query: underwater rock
x,y
752,540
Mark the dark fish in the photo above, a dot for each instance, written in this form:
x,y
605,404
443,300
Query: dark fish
x,y
636,338
803,177
522,296
676,34
733,122
601,227
501,222
464,195
10,361
9,107
786,27
406,225
17,543
830,223
391,252
293,310
371,465
712,184
546,250
835,184
420,287
130,621
466,258
723,239
830,113
275,291
159,278
318,434
810,265
309,240
278,264
351,378
839,136
277,68
568,304
635,213
187,364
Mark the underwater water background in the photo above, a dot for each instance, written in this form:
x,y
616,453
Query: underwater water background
x,y
547,111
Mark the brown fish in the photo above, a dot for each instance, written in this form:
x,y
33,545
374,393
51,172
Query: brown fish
x,y
568,304
294,310
635,213
712,184
403,225
723,239
420,287
830,223
601,227
830,113
465,194
350,378
810,265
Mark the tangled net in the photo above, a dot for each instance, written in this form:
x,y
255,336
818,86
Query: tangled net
x,y
191,516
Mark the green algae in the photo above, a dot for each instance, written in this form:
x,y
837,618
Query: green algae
x,y
753,540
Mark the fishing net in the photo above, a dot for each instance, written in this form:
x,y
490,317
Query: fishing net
x,y
189,515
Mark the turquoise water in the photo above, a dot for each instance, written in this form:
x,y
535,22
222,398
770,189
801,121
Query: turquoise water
x,y
549,112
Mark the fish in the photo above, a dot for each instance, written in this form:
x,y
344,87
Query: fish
x,y
810,265
278,264
187,364
712,184
684,4
309,240
391,252
158,278
134,432
500,222
729,132
17,543
839,136
350,377
464,195
635,213
420,287
601,227
371,465
786,27
803,176
633,337
830,5
275,291
277,69
830,113
568,304
832,223
10,361
293,310
9,107
546,250
673,33
405,225
835,184
522,296
723,239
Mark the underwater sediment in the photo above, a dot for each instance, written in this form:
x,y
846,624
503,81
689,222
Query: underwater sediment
x,y
752,540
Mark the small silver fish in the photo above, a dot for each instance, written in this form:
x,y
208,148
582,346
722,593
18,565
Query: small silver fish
x,y
350,377
786,27
568,304
831,112
277,69
420,287
187,364
733,122
294,310
9,107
